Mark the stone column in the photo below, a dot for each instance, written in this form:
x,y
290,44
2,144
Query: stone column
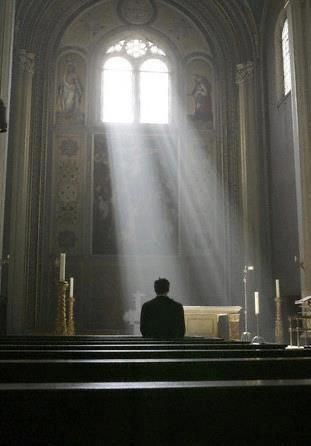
x,y
250,169
19,224
7,14
249,162
299,19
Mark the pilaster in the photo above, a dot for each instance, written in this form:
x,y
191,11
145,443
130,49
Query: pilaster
x,y
7,14
19,225
299,18
249,161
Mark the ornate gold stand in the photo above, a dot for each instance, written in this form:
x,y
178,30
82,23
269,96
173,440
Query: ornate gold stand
x,y
278,331
61,323
70,320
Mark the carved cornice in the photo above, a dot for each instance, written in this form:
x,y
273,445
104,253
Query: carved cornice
x,y
26,61
244,72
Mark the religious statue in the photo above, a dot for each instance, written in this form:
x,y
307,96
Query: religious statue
x,y
202,96
70,90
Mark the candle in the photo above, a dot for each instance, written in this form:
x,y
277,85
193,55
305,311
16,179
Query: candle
x,y
256,294
71,287
277,288
62,266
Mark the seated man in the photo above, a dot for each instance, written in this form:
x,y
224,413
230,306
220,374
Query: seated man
x,y
162,317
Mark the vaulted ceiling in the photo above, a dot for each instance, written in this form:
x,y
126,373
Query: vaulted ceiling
x,y
232,24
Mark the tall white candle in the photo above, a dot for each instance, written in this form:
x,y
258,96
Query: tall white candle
x,y
277,288
256,294
62,266
71,287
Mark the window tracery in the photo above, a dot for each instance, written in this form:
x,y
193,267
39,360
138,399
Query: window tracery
x,y
135,83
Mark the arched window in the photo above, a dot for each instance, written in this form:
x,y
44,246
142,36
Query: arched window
x,y
287,83
153,91
117,88
135,83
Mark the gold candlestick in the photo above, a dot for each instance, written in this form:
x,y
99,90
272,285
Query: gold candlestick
x,y
71,322
61,324
278,331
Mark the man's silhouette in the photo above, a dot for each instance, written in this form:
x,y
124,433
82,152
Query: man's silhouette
x,y
162,317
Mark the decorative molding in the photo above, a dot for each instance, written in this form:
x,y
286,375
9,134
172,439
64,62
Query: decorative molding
x,y
66,239
244,72
137,12
26,61
69,147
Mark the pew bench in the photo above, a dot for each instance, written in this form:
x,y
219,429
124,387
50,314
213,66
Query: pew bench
x,y
161,369
68,352
243,412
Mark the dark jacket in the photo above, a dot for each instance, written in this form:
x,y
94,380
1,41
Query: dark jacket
x,y
162,317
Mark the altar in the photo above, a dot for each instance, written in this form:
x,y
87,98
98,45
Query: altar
x,y
213,321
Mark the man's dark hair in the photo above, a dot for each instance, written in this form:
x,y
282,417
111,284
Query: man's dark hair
x,y
161,286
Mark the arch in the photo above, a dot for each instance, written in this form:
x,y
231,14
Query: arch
x,y
227,27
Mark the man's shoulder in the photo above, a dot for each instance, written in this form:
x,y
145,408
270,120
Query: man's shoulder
x,y
149,302
173,302
177,304
159,300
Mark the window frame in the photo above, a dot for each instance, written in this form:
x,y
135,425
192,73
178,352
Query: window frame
x,y
101,92
279,70
136,63
284,72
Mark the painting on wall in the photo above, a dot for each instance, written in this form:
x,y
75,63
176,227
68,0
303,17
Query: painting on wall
x,y
200,91
71,81
135,199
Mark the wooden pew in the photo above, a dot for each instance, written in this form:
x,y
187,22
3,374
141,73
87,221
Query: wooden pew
x,y
133,391
117,342
185,369
157,413
68,352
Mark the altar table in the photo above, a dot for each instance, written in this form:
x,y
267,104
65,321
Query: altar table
x,y
214,321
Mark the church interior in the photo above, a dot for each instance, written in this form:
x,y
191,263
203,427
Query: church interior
x,y
146,139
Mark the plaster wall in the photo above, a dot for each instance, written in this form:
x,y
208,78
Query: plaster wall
x,y
283,203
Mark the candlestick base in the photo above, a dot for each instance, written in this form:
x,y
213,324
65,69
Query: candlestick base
x,y
70,321
61,323
258,340
278,328
246,336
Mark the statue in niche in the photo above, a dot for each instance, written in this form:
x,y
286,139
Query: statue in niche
x,y
202,98
70,90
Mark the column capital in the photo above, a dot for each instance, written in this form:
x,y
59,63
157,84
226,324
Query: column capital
x,y
244,72
26,61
